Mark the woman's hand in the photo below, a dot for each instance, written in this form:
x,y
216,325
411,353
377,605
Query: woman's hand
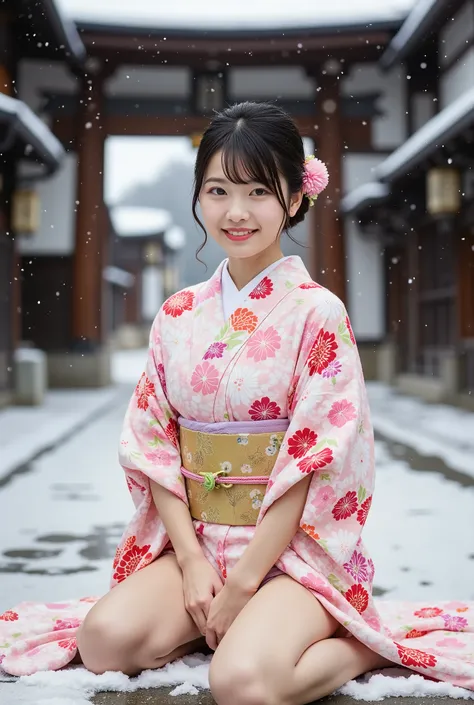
x,y
201,583
224,609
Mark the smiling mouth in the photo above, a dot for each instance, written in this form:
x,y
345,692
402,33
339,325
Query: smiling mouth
x,y
238,234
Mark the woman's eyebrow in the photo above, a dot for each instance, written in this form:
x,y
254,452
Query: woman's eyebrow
x,y
216,179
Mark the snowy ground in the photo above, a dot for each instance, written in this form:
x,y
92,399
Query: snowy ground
x,y
62,517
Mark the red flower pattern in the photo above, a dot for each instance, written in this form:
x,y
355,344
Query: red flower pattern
x,y
427,612
414,657
414,634
322,353
179,303
316,461
264,409
144,389
244,319
121,549
172,432
363,512
133,484
345,507
309,285
350,331
130,561
9,616
69,644
310,530
358,597
262,290
301,442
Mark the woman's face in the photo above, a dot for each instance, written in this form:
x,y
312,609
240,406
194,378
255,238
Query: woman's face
x,y
244,219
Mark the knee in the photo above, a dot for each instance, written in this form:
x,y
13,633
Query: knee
x,y
240,683
106,644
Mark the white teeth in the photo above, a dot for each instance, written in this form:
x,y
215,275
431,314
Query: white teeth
x,y
232,232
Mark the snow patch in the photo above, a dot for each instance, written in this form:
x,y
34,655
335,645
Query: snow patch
x,y
76,686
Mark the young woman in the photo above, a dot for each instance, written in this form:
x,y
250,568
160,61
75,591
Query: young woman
x,y
248,452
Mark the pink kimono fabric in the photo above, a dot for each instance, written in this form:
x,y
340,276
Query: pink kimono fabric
x,y
288,352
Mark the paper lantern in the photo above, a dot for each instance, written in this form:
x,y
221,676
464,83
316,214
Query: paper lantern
x,y
443,191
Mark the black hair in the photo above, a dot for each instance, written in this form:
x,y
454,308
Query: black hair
x,y
259,142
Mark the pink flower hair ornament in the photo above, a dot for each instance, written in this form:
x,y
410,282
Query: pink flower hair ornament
x,y
315,178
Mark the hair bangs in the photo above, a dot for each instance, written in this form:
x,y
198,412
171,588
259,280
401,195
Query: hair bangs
x,y
247,159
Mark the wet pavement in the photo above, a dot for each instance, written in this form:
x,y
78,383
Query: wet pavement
x,y
63,513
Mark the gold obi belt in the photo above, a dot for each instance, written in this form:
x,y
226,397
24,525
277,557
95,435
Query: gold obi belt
x,y
226,467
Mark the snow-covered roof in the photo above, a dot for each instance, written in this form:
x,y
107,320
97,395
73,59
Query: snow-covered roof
x,y
175,237
245,14
416,26
66,32
137,221
365,195
32,131
118,276
446,124
44,30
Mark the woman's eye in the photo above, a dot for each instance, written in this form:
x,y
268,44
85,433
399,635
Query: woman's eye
x,y
217,188
260,192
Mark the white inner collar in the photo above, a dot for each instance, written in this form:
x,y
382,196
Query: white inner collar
x,y
232,298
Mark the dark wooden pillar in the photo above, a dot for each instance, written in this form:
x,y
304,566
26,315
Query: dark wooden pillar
x,y
87,297
10,269
329,245
466,309
466,284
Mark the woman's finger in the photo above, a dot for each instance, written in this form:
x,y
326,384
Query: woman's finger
x,y
207,607
199,619
211,639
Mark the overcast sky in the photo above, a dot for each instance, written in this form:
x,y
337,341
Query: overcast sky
x,y
241,13
135,160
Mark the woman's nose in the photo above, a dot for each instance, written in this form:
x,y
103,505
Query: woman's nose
x,y
237,212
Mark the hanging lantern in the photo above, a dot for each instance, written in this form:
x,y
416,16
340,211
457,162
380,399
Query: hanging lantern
x,y
443,191
25,212
153,254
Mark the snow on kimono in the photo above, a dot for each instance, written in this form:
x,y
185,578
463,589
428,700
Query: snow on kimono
x,y
287,352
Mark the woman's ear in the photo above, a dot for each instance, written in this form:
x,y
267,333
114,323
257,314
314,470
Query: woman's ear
x,y
295,203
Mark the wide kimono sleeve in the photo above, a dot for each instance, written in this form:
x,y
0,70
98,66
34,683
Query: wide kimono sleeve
x,y
330,434
149,450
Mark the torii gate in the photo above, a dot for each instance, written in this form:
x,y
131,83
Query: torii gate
x,y
335,123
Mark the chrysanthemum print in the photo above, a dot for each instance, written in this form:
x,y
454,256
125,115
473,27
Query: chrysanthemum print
x,y
286,355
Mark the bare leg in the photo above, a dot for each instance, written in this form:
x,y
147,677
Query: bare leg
x,y
330,663
142,623
280,650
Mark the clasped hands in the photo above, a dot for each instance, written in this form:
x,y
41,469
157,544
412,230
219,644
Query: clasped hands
x,y
212,604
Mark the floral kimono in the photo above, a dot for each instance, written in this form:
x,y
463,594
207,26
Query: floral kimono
x,y
286,353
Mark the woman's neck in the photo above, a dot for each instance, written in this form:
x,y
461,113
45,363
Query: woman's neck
x,y
242,271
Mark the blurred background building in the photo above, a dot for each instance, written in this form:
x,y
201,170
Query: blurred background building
x,y
385,98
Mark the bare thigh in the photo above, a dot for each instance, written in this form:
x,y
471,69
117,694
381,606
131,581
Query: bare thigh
x,y
282,613
142,623
284,647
